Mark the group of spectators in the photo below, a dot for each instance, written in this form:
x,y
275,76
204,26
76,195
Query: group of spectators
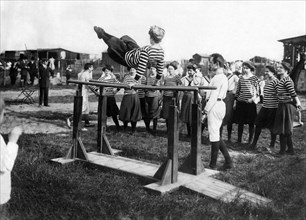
x,y
27,70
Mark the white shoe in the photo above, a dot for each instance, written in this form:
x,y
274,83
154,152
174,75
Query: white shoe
x,y
84,129
68,123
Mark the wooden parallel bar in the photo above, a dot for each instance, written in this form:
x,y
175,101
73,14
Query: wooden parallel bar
x,y
122,85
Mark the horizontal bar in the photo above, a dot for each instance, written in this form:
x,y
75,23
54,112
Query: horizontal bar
x,y
99,83
122,85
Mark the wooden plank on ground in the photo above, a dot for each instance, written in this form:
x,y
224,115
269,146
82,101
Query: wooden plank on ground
x,y
62,160
202,183
226,192
183,178
132,166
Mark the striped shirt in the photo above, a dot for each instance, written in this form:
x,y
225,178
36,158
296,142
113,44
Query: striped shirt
x,y
139,57
247,88
109,91
141,92
270,98
128,79
285,87
150,81
171,81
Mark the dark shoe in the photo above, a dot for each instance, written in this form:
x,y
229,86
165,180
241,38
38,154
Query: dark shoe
x,y
281,153
89,125
47,105
227,166
212,167
290,152
271,146
100,32
153,132
252,146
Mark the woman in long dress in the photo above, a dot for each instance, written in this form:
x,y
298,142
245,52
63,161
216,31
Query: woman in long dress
x,y
169,79
191,79
152,99
266,115
110,92
247,96
130,110
287,100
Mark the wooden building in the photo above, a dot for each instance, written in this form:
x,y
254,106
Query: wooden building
x,y
294,53
61,56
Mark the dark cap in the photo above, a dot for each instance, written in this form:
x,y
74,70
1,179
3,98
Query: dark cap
x,y
249,64
108,67
286,66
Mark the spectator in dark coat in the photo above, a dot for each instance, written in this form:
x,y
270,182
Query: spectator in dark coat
x,y
24,71
44,82
13,72
32,70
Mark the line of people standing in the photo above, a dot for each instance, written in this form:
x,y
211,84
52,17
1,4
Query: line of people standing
x,y
279,104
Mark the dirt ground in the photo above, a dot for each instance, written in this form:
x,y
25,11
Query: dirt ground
x,y
21,114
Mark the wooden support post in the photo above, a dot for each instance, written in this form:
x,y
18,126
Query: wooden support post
x,y
168,171
103,145
197,164
193,163
77,150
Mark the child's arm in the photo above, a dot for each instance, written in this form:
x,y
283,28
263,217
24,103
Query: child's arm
x,y
9,152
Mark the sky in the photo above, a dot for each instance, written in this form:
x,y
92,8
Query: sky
x,y
239,30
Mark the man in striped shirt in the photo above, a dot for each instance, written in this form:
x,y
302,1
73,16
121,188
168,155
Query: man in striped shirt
x,y
126,52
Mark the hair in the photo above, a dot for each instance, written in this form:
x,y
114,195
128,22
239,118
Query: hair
x,y
286,66
2,104
217,58
249,64
44,60
271,69
108,67
172,64
129,68
192,67
156,33
87,65
151,63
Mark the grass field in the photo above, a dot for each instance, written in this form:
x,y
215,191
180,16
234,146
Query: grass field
x,y
44,190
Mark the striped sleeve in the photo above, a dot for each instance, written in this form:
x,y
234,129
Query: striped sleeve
x,y
286,87
270,98
141,92
143,60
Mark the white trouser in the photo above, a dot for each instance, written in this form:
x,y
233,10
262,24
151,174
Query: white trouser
x,y
214,120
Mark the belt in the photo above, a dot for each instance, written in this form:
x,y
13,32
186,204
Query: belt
x,y
218,99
